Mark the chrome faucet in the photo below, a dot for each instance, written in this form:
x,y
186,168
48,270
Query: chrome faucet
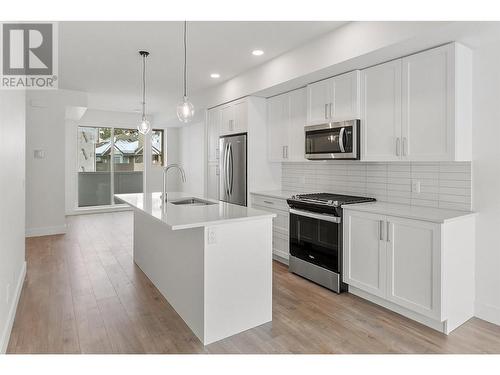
x,y
165,170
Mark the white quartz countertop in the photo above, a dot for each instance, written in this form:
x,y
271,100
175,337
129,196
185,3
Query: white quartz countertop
x,y
185,216
435,215
280,194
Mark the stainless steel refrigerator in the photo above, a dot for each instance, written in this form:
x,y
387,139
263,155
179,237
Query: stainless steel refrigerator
x,y
233,169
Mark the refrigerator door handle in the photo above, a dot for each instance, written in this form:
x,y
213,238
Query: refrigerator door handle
x,y
231,172
226,170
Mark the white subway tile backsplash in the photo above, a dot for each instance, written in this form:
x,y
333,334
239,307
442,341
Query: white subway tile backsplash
x,y
442,184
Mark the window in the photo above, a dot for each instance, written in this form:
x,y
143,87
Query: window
x,y
110,161
157,142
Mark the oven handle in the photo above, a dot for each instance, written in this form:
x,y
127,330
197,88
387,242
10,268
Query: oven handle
x,y
313,215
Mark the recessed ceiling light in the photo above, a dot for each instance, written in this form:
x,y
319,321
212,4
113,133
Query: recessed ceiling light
x,y
215,75
257,52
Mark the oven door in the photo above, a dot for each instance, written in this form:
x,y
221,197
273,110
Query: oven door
x,y
315,238
337,140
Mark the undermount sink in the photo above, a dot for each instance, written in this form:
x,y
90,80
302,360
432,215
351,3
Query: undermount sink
x,y
192,202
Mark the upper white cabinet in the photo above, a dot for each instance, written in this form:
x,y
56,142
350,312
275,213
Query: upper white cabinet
x,y
428,105
381,112
214,119
234,117
286,118
418,108
333,99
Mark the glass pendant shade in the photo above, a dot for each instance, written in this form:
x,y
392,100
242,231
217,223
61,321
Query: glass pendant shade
x,y
144,127
185,110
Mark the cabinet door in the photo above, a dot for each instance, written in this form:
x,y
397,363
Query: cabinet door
x,y
319,98
346,96
278,111
413,265
428,118
227,119
364,252
240,117
381,112
213,181
213,130
296,141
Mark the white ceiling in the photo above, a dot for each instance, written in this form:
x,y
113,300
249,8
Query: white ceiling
x,y
102,57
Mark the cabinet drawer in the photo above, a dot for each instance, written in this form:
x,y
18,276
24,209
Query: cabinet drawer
x,y
269,202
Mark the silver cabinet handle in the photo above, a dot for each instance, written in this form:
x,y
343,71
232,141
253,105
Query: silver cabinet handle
x,y
405,146
398,146
388,238
380,230
231,125
283,152
286,152
326,111
331,105
268,202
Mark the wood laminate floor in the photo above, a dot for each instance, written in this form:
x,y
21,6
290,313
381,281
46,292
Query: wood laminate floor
x,y
84,294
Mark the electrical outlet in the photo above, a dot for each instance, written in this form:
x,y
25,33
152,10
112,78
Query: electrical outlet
x,y
212,236
415,186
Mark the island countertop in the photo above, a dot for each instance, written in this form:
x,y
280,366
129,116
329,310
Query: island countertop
x,y
185,216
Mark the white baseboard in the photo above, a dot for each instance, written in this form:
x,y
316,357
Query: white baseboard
x,y
4,339
45,231
487,312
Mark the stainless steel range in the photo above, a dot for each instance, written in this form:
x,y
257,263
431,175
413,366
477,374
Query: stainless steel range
x,y
316,237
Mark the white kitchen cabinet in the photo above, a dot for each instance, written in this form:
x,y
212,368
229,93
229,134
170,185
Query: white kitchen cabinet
x,y
319,101
296,138
365,253
214,118
279,207
345,96
333,99
234,117
412,266
213,180
286,117
428,105
278,114
381,112
418,108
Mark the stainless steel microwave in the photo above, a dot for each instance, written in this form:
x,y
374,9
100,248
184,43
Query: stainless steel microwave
x,y
334,140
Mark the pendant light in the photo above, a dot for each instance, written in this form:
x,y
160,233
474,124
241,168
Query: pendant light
x,y
144,127
185,109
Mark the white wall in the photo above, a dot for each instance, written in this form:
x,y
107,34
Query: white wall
x,y
12,175
45,178
486,179
192,158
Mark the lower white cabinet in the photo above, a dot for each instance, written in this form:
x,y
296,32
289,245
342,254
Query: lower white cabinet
x,y
279,207
418,268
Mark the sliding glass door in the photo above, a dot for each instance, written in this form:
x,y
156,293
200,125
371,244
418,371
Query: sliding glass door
x,y
110,161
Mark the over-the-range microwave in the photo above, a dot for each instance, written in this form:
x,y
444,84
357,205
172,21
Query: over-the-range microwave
x,y
333,140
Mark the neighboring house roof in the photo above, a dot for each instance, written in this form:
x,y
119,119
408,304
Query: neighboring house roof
x,y
126,148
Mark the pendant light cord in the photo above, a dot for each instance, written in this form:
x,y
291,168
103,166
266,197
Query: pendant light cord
x,y
143,86
185,59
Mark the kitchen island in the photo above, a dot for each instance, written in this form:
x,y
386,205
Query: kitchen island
x,y
211,260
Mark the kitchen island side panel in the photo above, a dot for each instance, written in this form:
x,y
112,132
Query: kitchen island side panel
x,y
173,261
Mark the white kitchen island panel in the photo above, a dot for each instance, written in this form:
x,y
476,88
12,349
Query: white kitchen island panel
x,y
216,275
